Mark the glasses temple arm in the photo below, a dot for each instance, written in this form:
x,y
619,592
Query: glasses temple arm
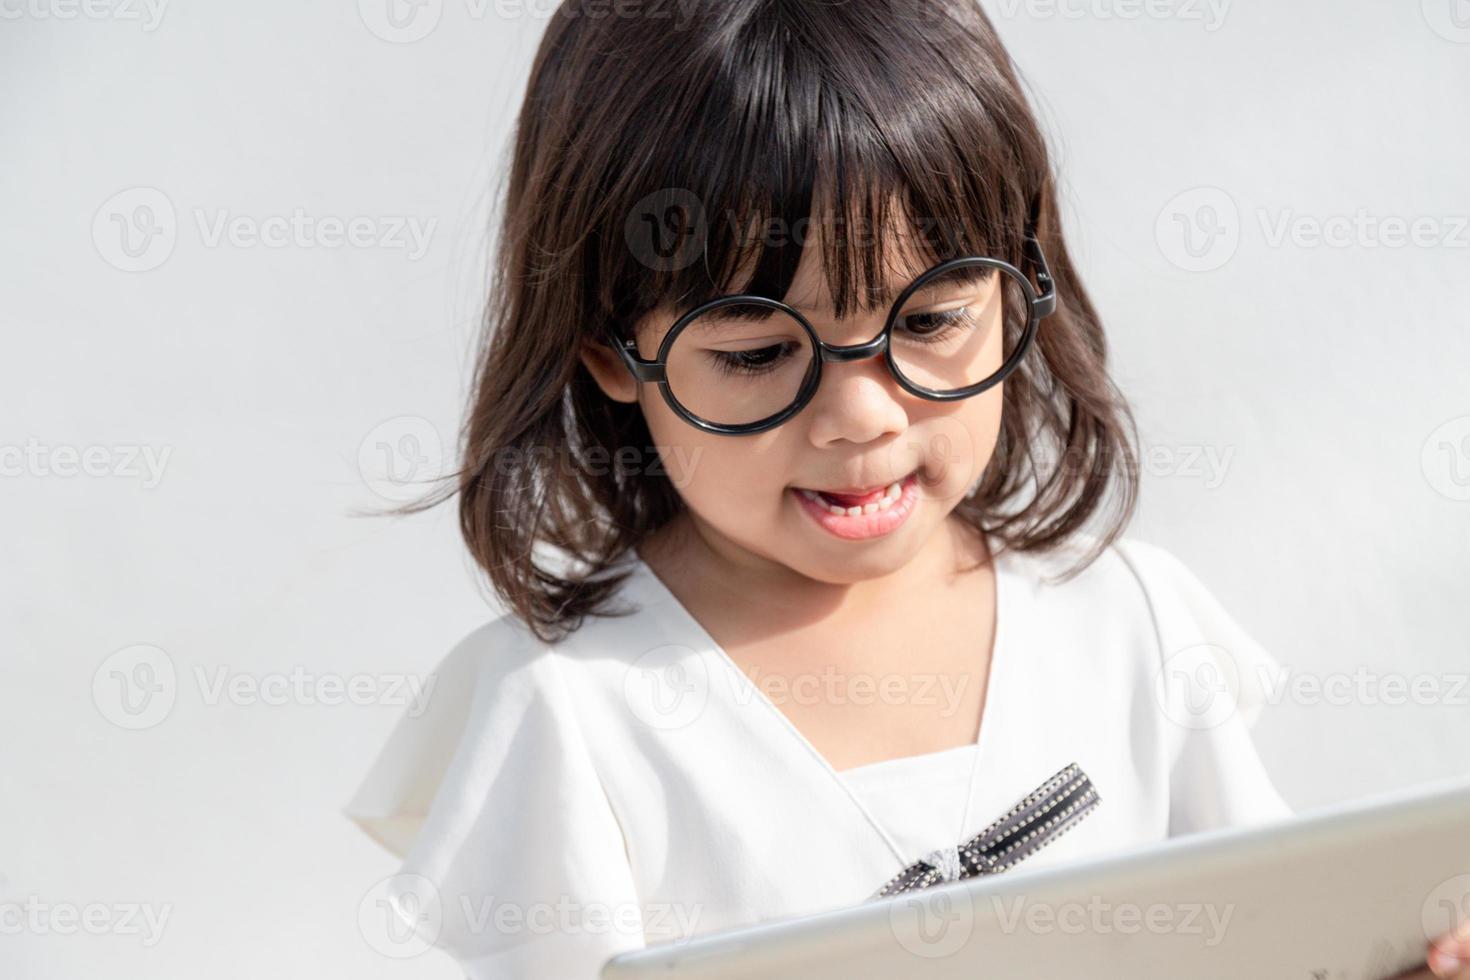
x,y
637,366
1046,298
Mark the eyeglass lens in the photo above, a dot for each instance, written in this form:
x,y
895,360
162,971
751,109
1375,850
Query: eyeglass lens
x,y
742,363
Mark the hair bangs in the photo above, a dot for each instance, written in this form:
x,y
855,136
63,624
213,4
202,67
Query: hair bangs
x,y
811,138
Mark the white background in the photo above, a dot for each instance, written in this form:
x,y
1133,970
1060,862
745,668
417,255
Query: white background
x,y
1333,522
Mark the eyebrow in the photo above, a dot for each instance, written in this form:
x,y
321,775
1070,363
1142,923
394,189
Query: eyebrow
x,y
971,275
728,315
883,301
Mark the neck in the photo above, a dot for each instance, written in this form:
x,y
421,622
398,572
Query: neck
x,y
694,559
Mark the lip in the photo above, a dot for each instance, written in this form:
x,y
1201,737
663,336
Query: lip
x,y
859,491
863,526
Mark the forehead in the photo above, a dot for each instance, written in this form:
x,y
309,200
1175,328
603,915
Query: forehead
x,y
900,259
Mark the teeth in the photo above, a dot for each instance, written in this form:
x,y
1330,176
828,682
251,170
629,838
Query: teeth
x,y
890,497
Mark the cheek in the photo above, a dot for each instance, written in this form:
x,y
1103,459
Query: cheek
x,y
724,479
956,442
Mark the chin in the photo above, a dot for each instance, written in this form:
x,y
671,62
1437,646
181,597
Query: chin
x,y
854,562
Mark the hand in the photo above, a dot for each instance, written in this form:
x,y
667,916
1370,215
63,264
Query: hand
x,y
1449,957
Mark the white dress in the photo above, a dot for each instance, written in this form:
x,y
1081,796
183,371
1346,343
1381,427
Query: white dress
x,y
631,785
920,799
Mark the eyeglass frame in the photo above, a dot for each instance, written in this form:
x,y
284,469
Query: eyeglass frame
x,y
1041,301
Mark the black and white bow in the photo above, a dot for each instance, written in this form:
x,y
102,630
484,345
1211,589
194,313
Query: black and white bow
x,y
1046,813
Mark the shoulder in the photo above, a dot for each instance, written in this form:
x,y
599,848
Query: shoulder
x,y
1129,578
1136,593
1174,621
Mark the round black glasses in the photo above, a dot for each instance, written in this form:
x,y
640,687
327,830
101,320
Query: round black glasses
x,y
743,364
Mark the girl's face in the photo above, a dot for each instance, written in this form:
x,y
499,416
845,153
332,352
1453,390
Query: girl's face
x,y
895,464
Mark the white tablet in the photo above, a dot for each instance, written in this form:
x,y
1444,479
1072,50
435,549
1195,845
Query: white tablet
x,y
1350,892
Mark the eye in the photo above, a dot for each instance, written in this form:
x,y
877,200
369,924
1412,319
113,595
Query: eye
x,y
757,360
934,326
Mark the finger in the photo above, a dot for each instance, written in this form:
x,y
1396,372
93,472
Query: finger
x,y
1449,954
1447,964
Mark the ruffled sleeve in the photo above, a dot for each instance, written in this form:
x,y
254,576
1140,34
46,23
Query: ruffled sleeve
x,y
1213,682
512,858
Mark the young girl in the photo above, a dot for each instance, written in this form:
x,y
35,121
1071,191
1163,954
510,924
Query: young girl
x,y
794,459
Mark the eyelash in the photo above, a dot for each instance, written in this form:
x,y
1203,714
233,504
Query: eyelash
x,y
729,362
948,319
732,363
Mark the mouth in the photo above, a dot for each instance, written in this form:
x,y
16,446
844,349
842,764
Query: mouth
x,y
857,513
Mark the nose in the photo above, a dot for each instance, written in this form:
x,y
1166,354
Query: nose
x,y
858,402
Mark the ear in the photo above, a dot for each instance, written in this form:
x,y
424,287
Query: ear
x,y
609,371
